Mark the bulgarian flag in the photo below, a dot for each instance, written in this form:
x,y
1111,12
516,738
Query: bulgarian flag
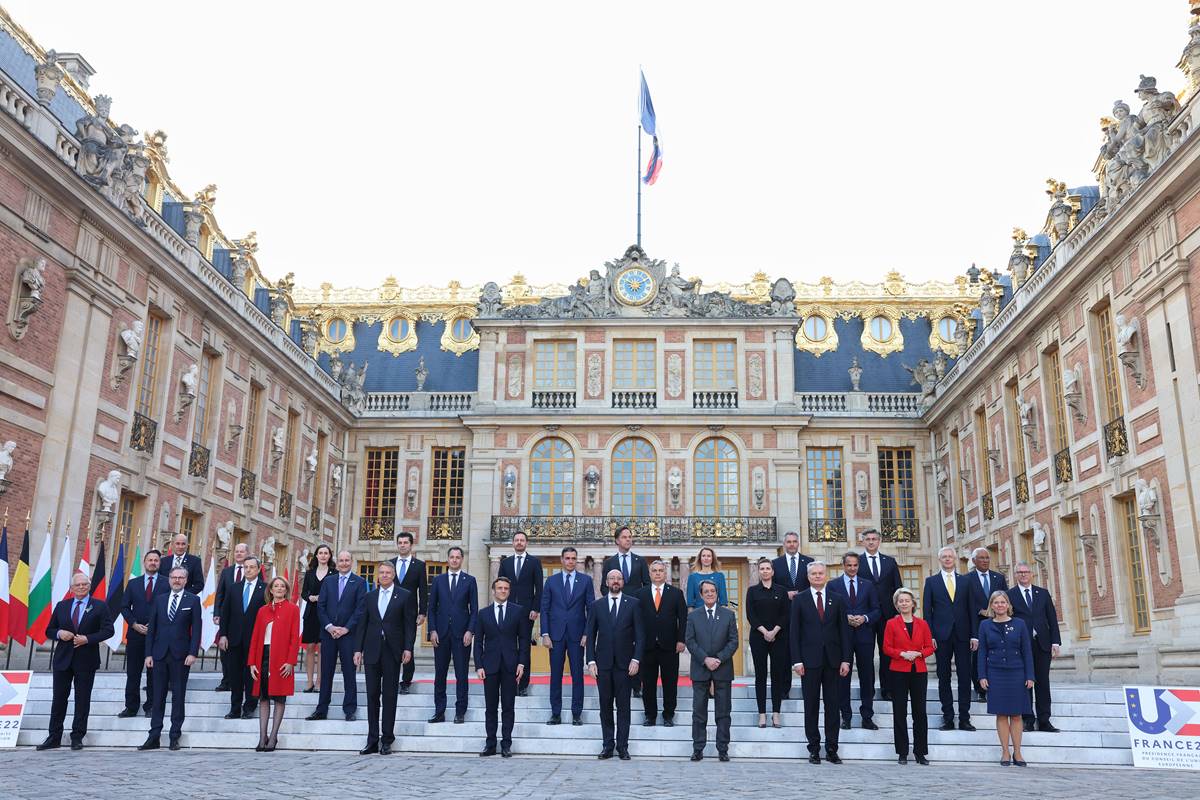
x,y
115,596
40,603
18,594
99,586
4,584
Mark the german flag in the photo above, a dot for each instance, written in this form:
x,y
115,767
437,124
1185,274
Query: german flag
x,y
18,595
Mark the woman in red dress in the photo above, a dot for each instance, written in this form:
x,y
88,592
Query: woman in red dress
x,y
273,650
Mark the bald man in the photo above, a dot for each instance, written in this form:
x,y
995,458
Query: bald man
x,y
340,607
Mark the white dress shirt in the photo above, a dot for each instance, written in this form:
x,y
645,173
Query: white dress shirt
x,y
385,597
500,610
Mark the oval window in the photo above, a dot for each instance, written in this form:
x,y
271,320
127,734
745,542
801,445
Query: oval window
x,y
881,328
336,330
946,328
398,329
816,328
461,329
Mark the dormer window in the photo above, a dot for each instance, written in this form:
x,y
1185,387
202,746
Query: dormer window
x,y
336,331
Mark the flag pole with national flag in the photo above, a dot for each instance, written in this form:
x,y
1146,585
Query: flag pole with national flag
x,y
4,635
41,601
648,122
99,582
18,593
116,594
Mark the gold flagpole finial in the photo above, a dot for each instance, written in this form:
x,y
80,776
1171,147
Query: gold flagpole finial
x,y
28,517
6,516
68,529
49,523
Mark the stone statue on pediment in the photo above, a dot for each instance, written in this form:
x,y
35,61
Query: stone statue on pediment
x,y
1147,498
490,300
1158,109
189,379
681,293
783,298
132,337
101,149
1060,209
6,460
924,375
939,365
855,375
109,491
1126,329
33,280
422,374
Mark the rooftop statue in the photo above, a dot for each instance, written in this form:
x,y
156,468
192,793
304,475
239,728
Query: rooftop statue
x,y
1158,109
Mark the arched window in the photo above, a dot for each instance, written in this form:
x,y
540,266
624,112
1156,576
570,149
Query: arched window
x,y
881,328
633,489
461,329
398,329
336,331
551,479
716,479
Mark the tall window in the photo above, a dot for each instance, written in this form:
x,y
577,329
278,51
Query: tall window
x,y
204,397
981,446
1058,419
713,366
956,465
250,452
896,484
125,518
633,468
554,365
633,364
449,468
552,479
1083,598
825,483
1015,438
1108,360
1138,600
148,385
289,454
383,467
189,524
319,475
716,479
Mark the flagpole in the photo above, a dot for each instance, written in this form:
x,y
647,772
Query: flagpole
x,y
638,178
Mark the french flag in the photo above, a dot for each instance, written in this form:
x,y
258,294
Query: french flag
x,y
650,126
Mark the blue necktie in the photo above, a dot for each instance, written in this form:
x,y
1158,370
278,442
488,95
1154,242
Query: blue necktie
x,y
174,607
341,586
625,566
403,570
245,597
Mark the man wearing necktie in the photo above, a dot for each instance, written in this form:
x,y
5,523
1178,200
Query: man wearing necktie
x,y
172,642
664,617
566,601
862,614
615,641
238,614
78,625
634,571
229,576
340,607
180,557
1035,607
712,639
884,572
453,604
136,605
982,582
411,576
383,644
525,576
791,572
947,610
820,640
501,645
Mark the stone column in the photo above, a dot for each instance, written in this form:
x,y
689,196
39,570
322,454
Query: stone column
x,y
482,489
785,369
788,508
485,392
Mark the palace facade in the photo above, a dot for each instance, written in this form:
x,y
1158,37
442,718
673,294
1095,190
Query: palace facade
x,y
154,380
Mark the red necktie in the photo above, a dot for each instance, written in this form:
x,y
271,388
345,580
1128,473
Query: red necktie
x,y
149,589
238,574
75,617
820,607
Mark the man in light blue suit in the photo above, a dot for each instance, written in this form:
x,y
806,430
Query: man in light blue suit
x,y
566,598
340,607
453,608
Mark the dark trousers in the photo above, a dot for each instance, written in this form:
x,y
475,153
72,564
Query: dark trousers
x,y
168,673
960,651
818,682
1041,685
723,693
776,653
451,648
657,662
225,660
862,656
383,683
885,672
333,650
241,685
568,648
135,663
910,687
500,700
63,680
527,633
613,686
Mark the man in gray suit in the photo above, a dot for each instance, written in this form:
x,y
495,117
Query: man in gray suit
x,y
712,639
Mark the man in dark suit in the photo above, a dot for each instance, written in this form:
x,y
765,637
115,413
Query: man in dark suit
x,y
947,609
820,645
1035,606
615,640
411,576
566,601
501,653
79,624
172,642
791,571
383,643
453,604
180,557
225,581
524,573
237,614
982,581
140,594
340,606
664,618
862,614
884,572
712,639
632,567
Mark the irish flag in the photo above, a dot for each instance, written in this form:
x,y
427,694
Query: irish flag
x,y
40,604
18,595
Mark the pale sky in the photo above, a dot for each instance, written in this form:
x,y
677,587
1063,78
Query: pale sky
x,y
472,140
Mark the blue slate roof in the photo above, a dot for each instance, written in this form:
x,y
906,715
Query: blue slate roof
x,y
19,66
828,373
396,373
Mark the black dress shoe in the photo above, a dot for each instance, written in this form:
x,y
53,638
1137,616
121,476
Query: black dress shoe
x,y
722,756
250,713
623,754
923,761
437,718
1046,727
234,715
813,758
311,690
459,719
833,758
403,688
576,721
648,723
261,746
637,691
373,747
316,715
902,760
149,744
869,724
697,755
505,752
605,754
523,692
351,717
966,726
487,751
174,745
555,719
668,722
845,724
885,696
76,744
1029,723
385,749
127,712
948,725
222,687
49,744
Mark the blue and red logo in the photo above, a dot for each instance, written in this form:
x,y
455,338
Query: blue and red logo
x,y
1175,711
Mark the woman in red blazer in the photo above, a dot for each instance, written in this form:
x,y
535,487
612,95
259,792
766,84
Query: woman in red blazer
x,y
273,650
908,642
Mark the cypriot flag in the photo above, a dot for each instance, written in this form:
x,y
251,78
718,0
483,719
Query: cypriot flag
x,y
208,599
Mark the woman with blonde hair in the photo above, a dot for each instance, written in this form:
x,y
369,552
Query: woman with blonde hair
x,y
707,568
1006,673
907,642
272,658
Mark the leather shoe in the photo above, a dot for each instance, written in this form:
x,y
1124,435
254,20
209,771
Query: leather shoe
x,y
648,723
605,754
222,687
923,761
438,718
845,724
697,755
149,744
385,749
623,755
576,721
869,724
487,751
833,758
1018,763
76,745
49,744
668,722
814,759
505,752
403,688
902,760
351,717
174,745
250,713
459,719
234,715
373,747
722,756
126,713
1030,723
523,692
316,715
966,726
554,720
948,725
1046,727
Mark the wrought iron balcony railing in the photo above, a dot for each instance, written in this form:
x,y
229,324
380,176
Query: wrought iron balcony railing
x,y
899,529
1021,488
1116,443
715,400
553,400
315,519
960,521
285,506
629,399
444,528
647,530
143,434
988,505
376,529
199,460
247,485
826,529
1064,470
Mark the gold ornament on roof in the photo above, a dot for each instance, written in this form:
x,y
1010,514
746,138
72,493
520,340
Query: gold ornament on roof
x,y
207,196
1054,188
1019,235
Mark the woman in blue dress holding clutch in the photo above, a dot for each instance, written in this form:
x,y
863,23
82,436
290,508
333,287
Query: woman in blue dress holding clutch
x,y
707,568
1006,673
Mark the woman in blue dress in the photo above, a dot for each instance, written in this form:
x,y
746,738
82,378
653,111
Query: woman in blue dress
x,y
707,568
1006,673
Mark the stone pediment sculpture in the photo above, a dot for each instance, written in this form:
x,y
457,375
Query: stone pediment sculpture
x,y
637,286
268,551
422,374
224,536
352,381
925,376
335,481
277,444
27,296
310,464
6,464
109,491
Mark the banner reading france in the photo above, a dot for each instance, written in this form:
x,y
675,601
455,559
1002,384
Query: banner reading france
x,y
1164,726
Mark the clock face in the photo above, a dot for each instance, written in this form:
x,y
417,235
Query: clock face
x,y
635,286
